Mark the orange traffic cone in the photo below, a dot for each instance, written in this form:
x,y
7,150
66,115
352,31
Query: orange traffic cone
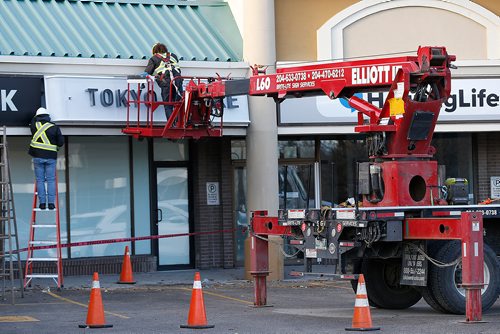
x,y
197,317
126,276
362,319
95,313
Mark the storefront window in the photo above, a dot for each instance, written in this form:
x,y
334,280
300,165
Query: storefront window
x,y
142,226
338,168
238,150
99,193
295,149
296,186
454,151
167,150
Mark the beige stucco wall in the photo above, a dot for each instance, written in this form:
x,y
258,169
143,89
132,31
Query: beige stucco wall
x,y
297,22
400,29
491,5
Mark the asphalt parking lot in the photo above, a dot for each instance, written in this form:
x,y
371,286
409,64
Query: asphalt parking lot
x,y
161,305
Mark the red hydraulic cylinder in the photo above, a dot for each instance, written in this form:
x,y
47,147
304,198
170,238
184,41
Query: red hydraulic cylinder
x,y
259,262
472,264
262,226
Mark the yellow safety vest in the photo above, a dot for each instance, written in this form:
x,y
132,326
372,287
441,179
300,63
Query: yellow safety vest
x,y
166,66
40,134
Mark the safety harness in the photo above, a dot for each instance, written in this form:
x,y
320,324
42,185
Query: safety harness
x,y
40,134
167,64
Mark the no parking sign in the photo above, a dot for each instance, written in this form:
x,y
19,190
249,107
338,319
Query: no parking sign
x,y
213,193
495,186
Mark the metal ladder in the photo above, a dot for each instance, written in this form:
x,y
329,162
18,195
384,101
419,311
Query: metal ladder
x,y
50,226
9,250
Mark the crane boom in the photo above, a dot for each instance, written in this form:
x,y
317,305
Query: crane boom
x,y
333,79
341,79
417,86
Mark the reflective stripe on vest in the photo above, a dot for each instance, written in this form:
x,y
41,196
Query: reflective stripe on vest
x,y
40,134
175,64
166,64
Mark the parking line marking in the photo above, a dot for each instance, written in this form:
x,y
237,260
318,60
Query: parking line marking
x,y
222,296
17,318
28,304
81,304
332,285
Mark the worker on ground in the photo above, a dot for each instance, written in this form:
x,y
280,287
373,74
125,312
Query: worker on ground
x,y
164,65
45,142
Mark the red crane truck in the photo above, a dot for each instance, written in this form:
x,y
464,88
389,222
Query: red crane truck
x,y
410,230
409,225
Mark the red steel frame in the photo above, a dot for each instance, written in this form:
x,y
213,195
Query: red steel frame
x,y
262,226
30,252
468,229
189,119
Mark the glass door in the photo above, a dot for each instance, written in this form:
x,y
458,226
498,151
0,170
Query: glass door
x,y
173,215
240,211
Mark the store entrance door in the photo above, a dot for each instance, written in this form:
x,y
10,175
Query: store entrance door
x,y
172,216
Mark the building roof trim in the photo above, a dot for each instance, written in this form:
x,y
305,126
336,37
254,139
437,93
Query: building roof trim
x,y
123,29
114,61
157,2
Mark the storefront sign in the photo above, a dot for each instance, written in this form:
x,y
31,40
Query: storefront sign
x,y
20,97
470,100
103,100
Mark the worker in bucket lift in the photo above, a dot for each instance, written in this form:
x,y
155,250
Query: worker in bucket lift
x,y
45,142
164,66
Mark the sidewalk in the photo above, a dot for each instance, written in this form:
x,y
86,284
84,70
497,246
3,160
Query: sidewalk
x,y
172,277
165,278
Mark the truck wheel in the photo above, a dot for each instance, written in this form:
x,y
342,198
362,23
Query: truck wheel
x,y
383,288
354,283
433,247
445,282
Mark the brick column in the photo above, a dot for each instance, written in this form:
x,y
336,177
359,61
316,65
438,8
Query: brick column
x,y
211,163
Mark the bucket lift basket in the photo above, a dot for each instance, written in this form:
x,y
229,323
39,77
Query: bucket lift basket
x,y
192,115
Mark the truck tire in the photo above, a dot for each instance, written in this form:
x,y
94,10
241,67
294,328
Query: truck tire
x,y
382,285
433,247
443,280
354,283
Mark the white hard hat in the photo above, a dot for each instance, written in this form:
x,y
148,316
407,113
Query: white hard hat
x,y
41,111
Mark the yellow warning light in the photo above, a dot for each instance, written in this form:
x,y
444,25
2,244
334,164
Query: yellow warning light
x,y
396,106
396,103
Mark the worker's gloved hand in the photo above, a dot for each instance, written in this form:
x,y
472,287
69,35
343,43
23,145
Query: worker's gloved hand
x,y
143,74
